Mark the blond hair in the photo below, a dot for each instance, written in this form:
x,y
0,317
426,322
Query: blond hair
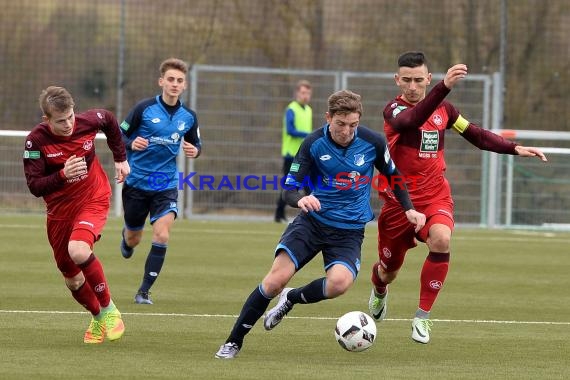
x,y
173,63
56,99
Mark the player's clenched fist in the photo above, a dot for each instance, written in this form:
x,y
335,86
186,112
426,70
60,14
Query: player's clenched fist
x,y
454,74
190,150
140,143
74,166
309,203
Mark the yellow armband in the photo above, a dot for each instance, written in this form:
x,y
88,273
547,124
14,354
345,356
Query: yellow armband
x,y
460,124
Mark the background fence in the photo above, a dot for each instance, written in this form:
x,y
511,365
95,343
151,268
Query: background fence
x,y
107,53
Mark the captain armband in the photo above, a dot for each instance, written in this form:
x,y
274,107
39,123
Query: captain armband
x,y
460,124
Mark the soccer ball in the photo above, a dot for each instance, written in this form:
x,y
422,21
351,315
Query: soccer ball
x,y
355,331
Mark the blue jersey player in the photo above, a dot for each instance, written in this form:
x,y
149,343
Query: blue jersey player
x,y
331,161
153,132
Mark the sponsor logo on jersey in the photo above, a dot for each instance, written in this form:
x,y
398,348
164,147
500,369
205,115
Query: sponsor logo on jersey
x,y
437,120
52,155
430,142
88,144
294,167
325,157
33,154
86,223
359,159
28,144
99,115
435,284
156,120
181,125
125,126
397,110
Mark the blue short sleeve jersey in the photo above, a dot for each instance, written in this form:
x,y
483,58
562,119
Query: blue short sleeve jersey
x,y
341,177
164,127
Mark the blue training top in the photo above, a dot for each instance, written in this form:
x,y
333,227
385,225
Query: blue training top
x,y
341,177
164,127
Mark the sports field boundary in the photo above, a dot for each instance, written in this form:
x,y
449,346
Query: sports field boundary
x,y
189,315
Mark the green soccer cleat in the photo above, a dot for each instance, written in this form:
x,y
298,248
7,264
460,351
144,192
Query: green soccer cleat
x,y
114,326
378,305
95,333
420,330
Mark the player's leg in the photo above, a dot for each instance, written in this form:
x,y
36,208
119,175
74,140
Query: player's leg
x,y
135,210
395,238
280,210
86,231
434,272
295,249
58,236
163,211
281,272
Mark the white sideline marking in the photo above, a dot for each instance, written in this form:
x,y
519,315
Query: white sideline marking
x,y
479,321
539,236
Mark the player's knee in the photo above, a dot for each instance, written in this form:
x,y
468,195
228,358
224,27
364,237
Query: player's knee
x,y
161,236
273,285
439,242
338,284
79,251
75,282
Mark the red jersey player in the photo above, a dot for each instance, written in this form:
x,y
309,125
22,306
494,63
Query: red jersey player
x,y
61,166
415,125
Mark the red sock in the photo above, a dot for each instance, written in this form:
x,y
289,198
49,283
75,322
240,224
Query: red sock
x,y
379,286
95,278
85,296
432,278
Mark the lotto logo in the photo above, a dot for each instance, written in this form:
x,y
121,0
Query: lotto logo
x,y
100,288
435,284
386,252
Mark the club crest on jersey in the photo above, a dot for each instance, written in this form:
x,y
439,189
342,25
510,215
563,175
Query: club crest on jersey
x,y
87,145
175,137
437,120
181,125
359,159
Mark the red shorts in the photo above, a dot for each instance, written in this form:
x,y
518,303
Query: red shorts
x,y
396,235
86,225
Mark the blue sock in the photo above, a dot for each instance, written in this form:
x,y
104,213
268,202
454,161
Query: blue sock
x,y
153,265
310,293
252,310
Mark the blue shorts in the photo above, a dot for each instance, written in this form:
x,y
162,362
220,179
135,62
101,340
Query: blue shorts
x,y
305,237
138,204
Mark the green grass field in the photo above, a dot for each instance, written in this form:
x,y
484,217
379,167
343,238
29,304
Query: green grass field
x,y
503,314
